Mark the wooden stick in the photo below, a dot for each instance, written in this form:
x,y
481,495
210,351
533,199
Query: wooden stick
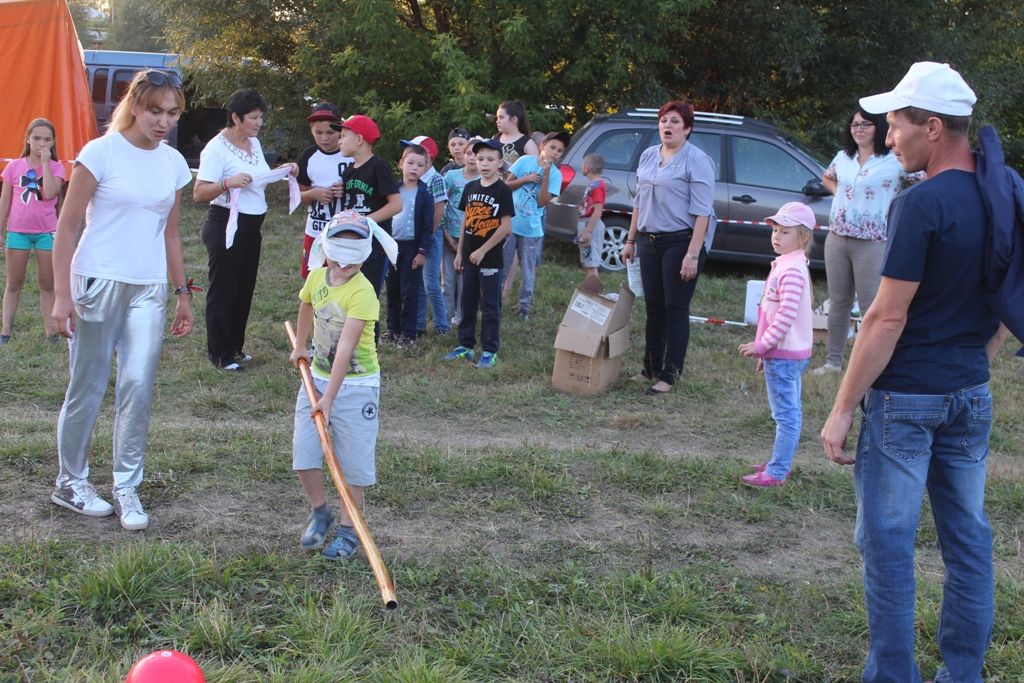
x,y
380,572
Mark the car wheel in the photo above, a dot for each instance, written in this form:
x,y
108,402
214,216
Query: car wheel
x,y
615,231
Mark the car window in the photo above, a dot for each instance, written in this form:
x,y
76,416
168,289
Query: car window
x,y
762,164
99,85
620,148
710,144
122,79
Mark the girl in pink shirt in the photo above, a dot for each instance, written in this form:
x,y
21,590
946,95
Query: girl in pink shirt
x,y
28,213
782,344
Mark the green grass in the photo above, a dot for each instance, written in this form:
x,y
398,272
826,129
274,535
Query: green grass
x,y
531,535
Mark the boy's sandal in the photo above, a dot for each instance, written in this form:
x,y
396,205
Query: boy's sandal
x,y
344,544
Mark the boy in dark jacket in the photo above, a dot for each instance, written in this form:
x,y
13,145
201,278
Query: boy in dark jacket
x,y
410,227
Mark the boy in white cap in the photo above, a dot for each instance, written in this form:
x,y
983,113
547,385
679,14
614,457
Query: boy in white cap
x,y
783,341
920,371
338,308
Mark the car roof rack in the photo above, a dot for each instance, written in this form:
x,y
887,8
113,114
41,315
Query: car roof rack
x,y
703,116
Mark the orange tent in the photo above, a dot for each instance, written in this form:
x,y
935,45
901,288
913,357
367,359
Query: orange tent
x,y
42,73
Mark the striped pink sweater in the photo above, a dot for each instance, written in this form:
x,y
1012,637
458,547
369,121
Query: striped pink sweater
x,y
784,316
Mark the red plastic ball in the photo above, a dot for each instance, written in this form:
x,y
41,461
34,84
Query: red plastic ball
x,y
165,666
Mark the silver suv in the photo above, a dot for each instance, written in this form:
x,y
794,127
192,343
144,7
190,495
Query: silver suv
x,y
759,167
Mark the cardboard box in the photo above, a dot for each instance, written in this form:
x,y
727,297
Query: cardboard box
x,y
819,319
593,335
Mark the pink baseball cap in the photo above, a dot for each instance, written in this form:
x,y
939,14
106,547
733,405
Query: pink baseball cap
x,y
360,125
792,214
425,142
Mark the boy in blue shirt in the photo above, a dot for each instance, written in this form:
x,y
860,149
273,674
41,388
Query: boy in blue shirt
x,y
534,180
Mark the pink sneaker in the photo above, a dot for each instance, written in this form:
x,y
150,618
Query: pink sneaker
x,y
762,480
761,468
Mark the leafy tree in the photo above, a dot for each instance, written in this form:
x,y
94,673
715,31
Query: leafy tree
x,y
135,25
422,66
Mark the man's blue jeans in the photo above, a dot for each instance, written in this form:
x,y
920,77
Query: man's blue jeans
x,y
430,286
910,443
782,381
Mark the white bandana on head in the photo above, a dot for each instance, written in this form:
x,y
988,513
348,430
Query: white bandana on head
x,y
330,245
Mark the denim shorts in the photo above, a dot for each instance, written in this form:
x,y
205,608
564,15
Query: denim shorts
x,y
27,241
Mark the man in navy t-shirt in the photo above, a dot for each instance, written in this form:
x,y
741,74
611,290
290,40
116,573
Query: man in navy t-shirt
x,y
919,370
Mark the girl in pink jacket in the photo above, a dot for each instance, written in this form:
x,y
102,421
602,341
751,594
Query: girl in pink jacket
x,y
782,344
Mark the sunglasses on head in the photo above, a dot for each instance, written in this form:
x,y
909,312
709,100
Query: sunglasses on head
x,y
160,78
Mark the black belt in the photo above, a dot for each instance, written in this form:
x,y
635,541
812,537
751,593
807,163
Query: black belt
x,y
653,236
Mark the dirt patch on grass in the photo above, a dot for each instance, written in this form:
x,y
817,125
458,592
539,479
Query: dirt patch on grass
x,y
609,529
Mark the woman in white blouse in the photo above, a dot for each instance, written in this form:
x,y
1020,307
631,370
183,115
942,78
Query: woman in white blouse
x,y
864,176
232,159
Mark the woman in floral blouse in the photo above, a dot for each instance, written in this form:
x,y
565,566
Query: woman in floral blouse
x,y
864,176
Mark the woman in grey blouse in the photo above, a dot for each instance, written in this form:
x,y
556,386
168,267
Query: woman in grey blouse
x,y
671,230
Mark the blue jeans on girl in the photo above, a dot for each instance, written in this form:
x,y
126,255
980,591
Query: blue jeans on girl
x,y
782,381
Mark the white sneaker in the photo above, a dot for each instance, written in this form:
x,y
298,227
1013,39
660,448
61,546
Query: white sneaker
x,y
82,498
826,369
129,507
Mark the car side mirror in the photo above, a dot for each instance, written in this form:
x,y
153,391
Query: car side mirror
x,y
816,188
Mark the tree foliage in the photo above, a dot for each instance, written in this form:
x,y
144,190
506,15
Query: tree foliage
x,y
423,66
135,25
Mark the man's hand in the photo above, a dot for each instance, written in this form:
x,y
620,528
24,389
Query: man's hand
x,y
834,435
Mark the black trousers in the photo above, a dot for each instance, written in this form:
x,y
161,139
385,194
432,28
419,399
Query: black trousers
x,y
404,291
481,287
376,267
232,282
668,301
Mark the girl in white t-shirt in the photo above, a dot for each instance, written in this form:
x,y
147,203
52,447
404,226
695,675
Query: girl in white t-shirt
x,y
233,159
28,214
110,291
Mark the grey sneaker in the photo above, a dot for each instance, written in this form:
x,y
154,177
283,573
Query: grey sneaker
x,y
82,498
320,522
826,369
129,508
344,545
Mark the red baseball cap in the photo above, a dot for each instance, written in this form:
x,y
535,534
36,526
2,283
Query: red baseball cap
x,y
425,142
360,125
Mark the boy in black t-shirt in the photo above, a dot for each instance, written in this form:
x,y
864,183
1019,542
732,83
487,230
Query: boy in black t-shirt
x,y
487,203
370,188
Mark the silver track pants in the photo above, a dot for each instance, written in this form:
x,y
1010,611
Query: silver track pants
x,y
129,319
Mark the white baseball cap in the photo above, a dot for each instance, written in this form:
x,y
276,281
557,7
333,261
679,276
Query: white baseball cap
x,y
928,85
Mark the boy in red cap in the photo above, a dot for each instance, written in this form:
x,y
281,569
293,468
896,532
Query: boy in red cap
x,y
320,168
369,186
